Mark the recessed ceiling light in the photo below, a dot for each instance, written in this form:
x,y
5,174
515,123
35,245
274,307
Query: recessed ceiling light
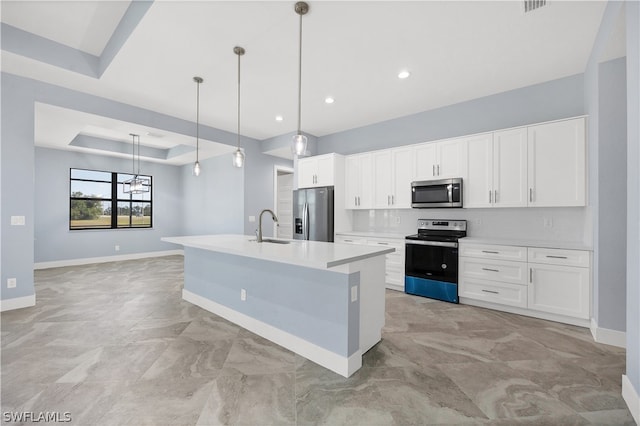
x,y
403,74
329,100
279,118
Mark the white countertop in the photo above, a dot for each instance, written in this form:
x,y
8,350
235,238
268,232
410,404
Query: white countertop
x,y
311,254
372,234
565,245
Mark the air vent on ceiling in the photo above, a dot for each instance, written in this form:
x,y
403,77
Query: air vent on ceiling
x,y
530,5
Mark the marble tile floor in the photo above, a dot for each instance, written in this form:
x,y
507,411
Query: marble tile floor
x,y
114,344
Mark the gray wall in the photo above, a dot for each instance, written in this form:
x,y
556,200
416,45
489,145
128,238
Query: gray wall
x,y
541,102
53,239
633,193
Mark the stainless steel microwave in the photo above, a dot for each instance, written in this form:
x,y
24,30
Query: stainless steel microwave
x,y
436,193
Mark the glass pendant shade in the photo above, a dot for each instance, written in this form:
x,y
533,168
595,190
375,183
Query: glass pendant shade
x,y
196,168
299,146
238,158
137,185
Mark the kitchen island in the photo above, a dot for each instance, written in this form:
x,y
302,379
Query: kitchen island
x,y
323,301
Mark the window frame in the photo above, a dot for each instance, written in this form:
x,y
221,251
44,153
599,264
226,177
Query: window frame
x,y
114,200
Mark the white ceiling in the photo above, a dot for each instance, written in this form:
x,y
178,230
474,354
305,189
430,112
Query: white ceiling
x,y
353,51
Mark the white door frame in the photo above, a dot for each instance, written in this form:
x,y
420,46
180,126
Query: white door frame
x,y
277,169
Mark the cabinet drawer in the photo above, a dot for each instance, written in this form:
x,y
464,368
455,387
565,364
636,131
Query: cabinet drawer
x,y
350,240
495,292
493,270
559,257
489,251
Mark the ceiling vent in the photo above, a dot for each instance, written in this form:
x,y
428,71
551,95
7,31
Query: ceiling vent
x,y
530,5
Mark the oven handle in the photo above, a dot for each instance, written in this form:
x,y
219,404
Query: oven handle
x,y
432,243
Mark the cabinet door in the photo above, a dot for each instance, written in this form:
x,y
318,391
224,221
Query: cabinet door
x,y
556,166
307,170
560,290
402,177
425,161
365,197
383,179
478,186
510,168
324,170
452,156
352,182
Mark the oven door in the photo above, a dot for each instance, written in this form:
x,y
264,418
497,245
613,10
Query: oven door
x,y
431,269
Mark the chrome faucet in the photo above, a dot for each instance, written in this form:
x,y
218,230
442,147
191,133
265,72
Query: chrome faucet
x,y
273,216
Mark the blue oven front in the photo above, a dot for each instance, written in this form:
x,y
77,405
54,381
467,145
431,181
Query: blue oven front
x,y
431,269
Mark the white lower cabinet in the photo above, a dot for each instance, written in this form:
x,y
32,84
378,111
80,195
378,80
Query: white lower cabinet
x,y
547,283
394,262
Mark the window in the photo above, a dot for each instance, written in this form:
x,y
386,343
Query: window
x,y
97,201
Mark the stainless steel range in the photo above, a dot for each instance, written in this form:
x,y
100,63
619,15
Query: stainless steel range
x,y
431,265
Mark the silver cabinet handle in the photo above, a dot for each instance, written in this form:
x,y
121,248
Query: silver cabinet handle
x,y
348,241
433,170
438,169
531,275
557,257
388,200
495,195
489,196
490,291
490,252
355,201
531,194
382,244
490,270
393,199
358,200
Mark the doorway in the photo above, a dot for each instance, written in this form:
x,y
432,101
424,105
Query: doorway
x,y
283,201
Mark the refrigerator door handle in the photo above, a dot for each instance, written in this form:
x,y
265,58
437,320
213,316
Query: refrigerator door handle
x,y
306,221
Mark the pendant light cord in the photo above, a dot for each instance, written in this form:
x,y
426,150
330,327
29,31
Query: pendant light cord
x,y
133,154
138,137
300,76
239,100
197,120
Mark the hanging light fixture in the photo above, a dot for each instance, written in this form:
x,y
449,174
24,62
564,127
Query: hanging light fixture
x,y
299,146
196,166
238,156
137,184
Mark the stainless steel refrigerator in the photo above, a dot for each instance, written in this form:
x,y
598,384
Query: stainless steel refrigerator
x,y
313,214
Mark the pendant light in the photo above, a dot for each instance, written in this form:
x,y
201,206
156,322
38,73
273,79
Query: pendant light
x,y
238,156
137,184
196,166
299,146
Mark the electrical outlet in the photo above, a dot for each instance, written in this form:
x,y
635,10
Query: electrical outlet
x,y
477,221
17,220
548,222
243,294
397,220
117,247
12,282
252,218
354,293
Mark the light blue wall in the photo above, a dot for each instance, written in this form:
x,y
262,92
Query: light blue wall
x,y
612,196
53,239
259,187
213,203
633,193
542,102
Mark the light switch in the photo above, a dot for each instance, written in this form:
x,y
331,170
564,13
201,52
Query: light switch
x,y
354,293
17,220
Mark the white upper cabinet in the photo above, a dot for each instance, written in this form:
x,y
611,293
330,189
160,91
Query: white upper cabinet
x,y
510,168
441,160
497,170
316,171
393,173
358,181
557,164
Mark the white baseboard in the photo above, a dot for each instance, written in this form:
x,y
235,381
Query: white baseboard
x,y
104,259
345,366
17,303
608,336
631,397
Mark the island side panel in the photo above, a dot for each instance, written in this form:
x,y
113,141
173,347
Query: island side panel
x,y
311,304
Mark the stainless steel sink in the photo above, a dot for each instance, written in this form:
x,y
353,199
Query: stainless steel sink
x,y
271,240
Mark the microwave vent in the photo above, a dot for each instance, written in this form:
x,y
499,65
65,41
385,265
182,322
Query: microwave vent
x,y
531,5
